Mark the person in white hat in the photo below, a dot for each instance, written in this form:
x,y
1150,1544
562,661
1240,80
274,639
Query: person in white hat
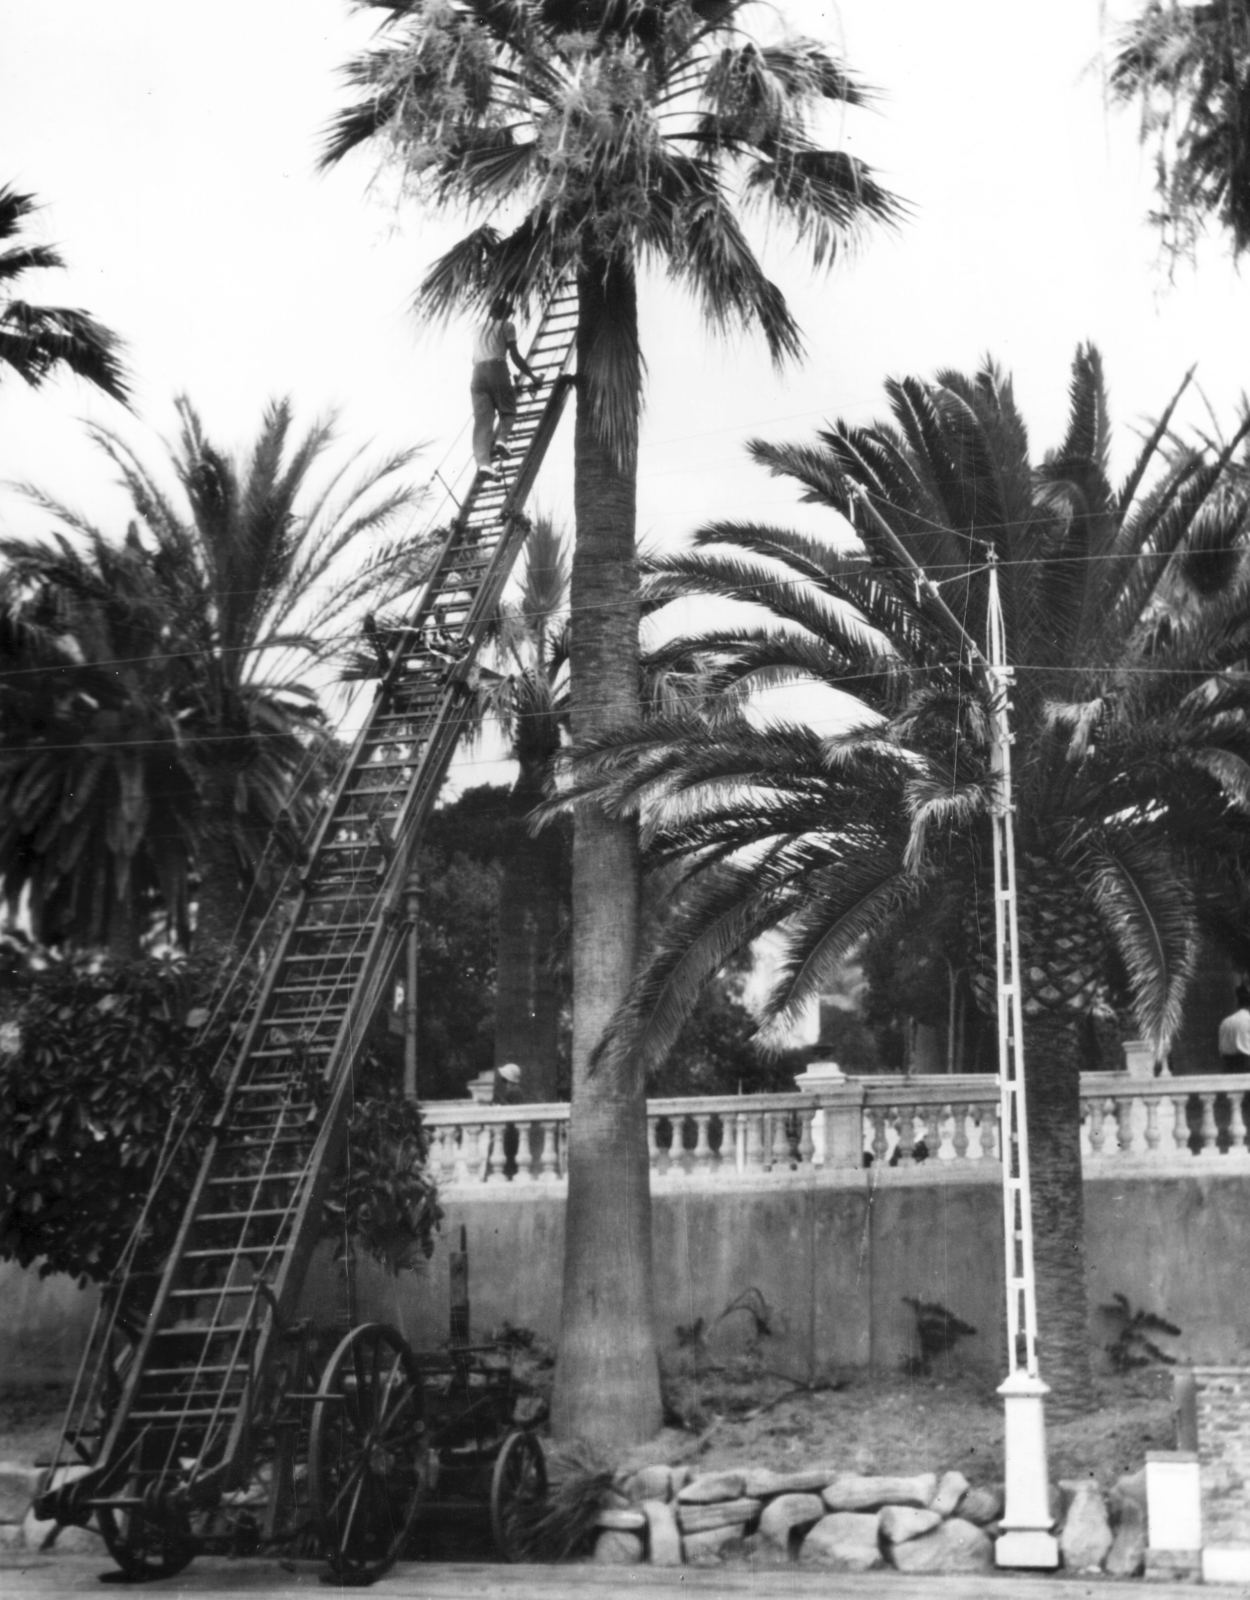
x,y
507,1090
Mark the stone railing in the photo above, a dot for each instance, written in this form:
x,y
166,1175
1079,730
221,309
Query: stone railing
x,y
894,1125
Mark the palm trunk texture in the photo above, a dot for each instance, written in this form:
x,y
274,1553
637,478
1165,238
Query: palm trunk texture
x,y
607,1388
1053,1104
219,902
527,1015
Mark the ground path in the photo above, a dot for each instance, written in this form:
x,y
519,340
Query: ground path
x,y
34,1578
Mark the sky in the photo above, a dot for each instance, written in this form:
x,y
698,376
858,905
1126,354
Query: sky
x,y
175,150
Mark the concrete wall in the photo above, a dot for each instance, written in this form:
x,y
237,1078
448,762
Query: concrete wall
x,y
833,1264
44,1324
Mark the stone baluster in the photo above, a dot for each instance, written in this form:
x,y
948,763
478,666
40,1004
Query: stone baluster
x,y
703,1159
1124,1124
781,1143
547,1163
807,1145
944,1133
1237,1124
1180,1124
653,1144
525,1170
1154,1133
991,1149
1210,1132
905,1121
1097,1133
466,1154
880,1138
495,1160
959,1138
754,1142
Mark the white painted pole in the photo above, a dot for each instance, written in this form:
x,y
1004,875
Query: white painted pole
x,y
1026,1539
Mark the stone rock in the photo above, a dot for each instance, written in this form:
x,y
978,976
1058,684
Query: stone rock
x,y
851,1492
898,1524
73,1541
648,1483
806,1480
663,1534
721,1514
1132,1486
621,1519
1085,1538
982,1504
36,1533
616,1549
843,1542
710,1547
952,1486
710,1488
10,1536
786,1513
18,1486
681,1477
1127,1556
954,1546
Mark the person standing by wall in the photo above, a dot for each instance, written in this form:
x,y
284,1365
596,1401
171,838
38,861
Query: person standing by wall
x,y
1235,1034
490,388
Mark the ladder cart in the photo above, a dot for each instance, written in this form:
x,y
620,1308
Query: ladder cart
x,y
206,1415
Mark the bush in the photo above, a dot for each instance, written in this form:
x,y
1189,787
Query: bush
x,y
106,1085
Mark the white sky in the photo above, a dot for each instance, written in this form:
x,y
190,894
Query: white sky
x,y
175,147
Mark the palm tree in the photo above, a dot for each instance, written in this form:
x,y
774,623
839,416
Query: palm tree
x,y
526,694
612,133
232,596
1129,716
37,340
98,793
1188,67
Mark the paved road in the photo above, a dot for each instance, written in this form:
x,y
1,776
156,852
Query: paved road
x,y
36,1578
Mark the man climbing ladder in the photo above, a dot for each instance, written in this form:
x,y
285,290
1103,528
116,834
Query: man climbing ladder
x,y
491,388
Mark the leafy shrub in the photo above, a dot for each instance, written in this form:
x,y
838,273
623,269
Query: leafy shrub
x,y
106,1082
937,1331
1132,1346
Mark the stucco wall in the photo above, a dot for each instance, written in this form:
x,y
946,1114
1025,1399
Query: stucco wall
x,y
832,1263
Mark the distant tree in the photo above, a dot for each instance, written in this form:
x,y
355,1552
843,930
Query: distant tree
x,y
37,341
1188,68
157,722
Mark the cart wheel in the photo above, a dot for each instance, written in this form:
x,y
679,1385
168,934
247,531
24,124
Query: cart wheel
x,y
518,1483
146,1542
367,1452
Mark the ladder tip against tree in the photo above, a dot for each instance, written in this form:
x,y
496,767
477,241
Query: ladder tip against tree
x,y
189,1358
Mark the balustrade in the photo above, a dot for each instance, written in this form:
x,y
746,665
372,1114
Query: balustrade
x,y
893,1125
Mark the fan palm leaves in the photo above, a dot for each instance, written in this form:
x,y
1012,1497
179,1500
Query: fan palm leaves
x,y
1186,67
37,340
243,583
1129,701
616,135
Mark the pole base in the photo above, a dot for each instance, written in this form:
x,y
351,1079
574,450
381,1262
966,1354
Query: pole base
x,y
1026,1547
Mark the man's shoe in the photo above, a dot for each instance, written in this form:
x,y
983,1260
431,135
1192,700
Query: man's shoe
x,y
502,452
487,474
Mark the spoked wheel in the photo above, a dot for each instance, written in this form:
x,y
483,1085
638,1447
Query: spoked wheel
x,y
146,1538
518,1485
367,1452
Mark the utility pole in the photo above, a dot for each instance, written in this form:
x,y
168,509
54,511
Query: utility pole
x,y
1026,1539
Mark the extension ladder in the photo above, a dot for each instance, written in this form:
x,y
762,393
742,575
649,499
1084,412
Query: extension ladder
x,y
174,1417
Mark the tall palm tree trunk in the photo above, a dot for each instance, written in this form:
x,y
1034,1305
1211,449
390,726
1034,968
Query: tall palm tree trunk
x,y
1053,1103
220,900
527,1020
607,1375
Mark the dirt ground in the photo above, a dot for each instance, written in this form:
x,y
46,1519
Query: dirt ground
x,y
736,1414
907,1424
